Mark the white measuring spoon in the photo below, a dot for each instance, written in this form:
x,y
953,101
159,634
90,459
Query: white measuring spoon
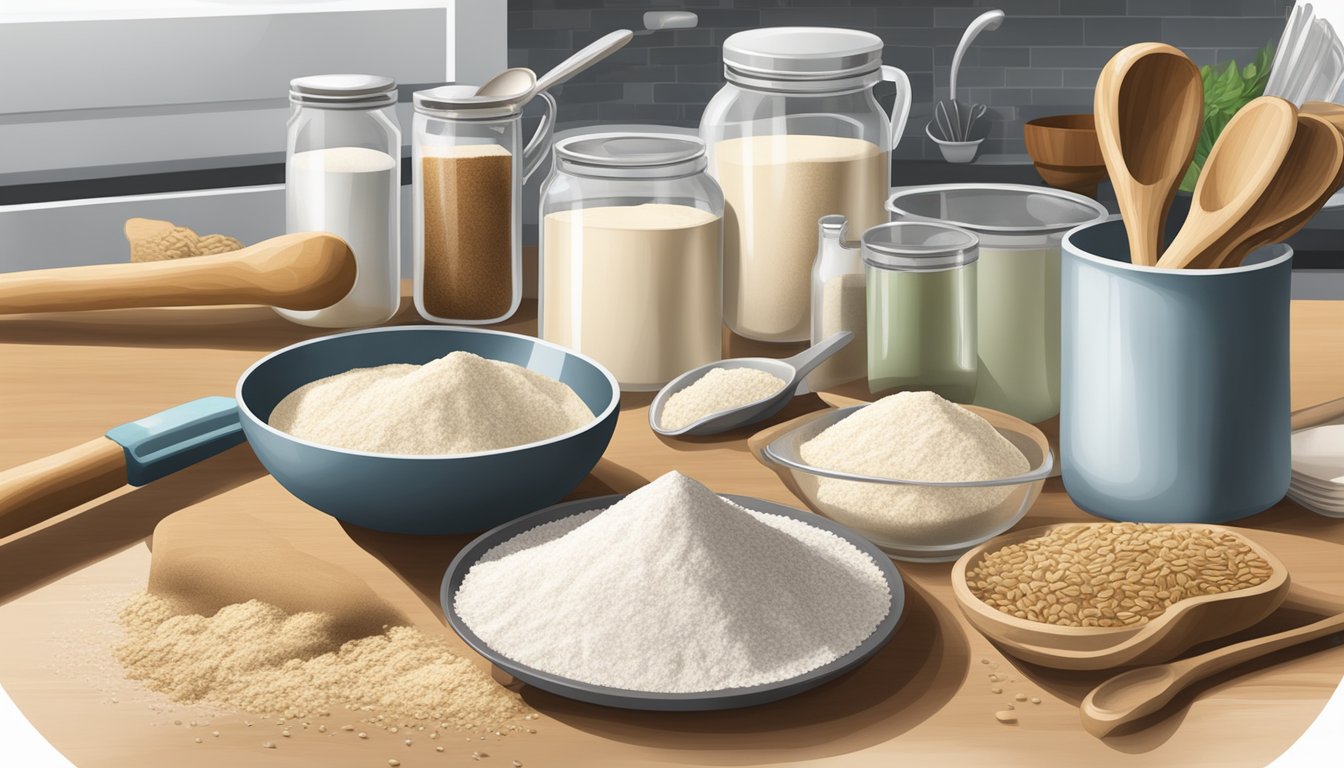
x,y
792,370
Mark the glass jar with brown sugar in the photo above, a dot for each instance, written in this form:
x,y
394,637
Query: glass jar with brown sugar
x,y
468,169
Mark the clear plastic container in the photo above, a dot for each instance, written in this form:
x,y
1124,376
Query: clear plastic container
x,y
468,170
921,309
1020,228
795,134
343,175
839,300
632,255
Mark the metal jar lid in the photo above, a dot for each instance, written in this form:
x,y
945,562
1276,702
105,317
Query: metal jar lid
x,y
918,246
631,155
802,58
997,210
461,101
343,91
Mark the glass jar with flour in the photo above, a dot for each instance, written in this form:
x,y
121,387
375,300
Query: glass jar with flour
x,y
343,175
1020,229
631,255
795,134
469,165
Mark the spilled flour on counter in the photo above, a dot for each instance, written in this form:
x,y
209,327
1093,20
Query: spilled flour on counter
x,y
913,436
674,589
256,658
460,403
718,390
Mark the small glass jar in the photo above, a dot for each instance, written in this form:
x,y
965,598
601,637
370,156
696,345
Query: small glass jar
x,y
632,255
795,134
468,169
839,301
343,176
921,309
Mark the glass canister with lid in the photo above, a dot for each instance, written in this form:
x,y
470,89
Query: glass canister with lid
x,y
1018,287
343,175
795,134
469,165
921,308
631,255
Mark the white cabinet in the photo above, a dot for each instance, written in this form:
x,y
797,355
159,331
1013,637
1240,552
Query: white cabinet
x,y
105,91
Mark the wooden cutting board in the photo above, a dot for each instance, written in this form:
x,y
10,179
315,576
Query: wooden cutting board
x,y
926,697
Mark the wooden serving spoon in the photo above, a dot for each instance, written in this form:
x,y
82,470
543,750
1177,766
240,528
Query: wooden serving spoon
x,y
301,271
1236,174
1309,175
1328,110
1135,694
1149,106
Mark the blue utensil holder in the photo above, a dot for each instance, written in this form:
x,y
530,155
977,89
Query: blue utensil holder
x,y
1175,383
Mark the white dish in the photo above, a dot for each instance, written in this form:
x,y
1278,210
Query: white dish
x,y
1320,509
1329,499
1318,453
1321,487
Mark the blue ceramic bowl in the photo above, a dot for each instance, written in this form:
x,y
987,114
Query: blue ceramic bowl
x,y
425,494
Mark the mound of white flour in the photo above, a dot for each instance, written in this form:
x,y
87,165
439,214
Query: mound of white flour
x,y
674,589
460,403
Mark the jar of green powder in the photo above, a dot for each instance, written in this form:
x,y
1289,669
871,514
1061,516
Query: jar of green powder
x,y
921,308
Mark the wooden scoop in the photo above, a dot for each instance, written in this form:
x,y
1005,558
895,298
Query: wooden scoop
x,y
1241,166
1309,175
1135,694
1149,105
301,271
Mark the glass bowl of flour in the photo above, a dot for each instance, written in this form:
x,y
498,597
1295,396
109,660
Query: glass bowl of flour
x,y
923,478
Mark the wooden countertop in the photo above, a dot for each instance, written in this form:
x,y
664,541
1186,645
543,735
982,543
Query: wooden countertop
x,y
926,696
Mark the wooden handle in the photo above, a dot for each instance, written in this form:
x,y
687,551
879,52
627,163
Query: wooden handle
x,y
51,485
1318,414
303,271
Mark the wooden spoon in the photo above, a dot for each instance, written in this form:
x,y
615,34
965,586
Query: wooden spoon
x,y
1236,174
1149,106
1135,694
1328,110
1309,175
302,271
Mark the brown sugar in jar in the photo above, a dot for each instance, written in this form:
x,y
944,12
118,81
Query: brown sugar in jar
x,y
468,233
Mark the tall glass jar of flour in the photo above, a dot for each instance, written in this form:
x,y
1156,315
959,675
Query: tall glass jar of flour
x,y
631,255
469,165
343,175
795,134
1020,229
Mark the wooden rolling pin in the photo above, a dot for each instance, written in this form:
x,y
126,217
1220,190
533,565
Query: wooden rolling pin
x,y
302,271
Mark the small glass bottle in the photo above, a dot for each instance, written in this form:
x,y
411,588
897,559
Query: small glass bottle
x,y
839,299
921,309
343,176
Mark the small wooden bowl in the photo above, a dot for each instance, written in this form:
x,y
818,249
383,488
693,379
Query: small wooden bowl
x,y
1066,152
1181,626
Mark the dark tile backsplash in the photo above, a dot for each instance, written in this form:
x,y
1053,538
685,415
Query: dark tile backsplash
x,y
1043,60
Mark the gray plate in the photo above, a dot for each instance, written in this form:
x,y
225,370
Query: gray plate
x,y
728,698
